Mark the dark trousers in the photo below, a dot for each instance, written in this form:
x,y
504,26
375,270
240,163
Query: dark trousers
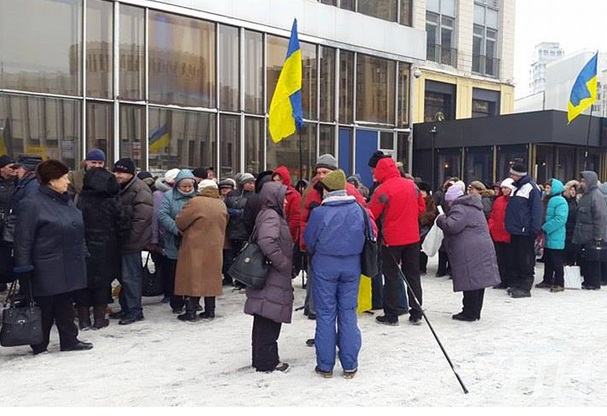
x,y
169,267
158,260
228,258
503,252
473,303
444,267
423,262
407,258
264,343
591,270
523,262
236,248
554,263
57,309
92,296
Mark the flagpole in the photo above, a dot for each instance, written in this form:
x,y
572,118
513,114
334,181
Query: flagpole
x,y
587,140
300,156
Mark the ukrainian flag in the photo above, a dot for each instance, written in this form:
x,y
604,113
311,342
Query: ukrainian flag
x,y
159,139
286,113
583,93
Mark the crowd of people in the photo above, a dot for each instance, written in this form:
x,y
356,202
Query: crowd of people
x,y
70,237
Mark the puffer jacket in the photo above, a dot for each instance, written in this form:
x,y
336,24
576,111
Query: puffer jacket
x,y
170,206
293,198
557,211
397,203
275,300
591,212
137,201
497,226
236,202
524,210
50,243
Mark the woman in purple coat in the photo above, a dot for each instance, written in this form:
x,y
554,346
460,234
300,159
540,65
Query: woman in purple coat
x,y
272,305
470,250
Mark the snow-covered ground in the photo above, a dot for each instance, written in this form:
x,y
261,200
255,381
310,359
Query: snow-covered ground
x,y
548,350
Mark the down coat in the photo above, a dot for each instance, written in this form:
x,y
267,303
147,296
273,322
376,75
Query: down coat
x,y
49,243
468,243
203,221
557,211
293,202
137,201
275,300
105,226
591,212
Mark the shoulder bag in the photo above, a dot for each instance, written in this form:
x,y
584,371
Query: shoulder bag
x,y
21,325
251,267
368,257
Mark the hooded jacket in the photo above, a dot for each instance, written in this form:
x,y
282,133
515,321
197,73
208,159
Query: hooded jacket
x,y
275,300
591,212
497,218
170,206
254,203
397,203
557,211
524,210
293,202
136,199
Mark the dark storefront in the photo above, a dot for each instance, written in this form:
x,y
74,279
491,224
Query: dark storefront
x,y
485,148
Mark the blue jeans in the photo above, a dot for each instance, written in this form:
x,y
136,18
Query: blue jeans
x,y
130,292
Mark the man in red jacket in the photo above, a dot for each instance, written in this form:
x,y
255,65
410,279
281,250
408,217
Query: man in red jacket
x,y
398,203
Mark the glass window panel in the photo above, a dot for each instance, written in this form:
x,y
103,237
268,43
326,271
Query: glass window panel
x,y
403,149
42,126
309,80
277,51
405,12
99,49
448,164
229,138
132,128
508,156
403,95
326,139
288,151
448,7
492,18
228,65
479,15
432,18
433,5
181,60
479,164
346,87
132,52
41,46
375,89
386,140
253,72
329,2
347,4
447,23
184,139
382,9
100,128
327,83
253,145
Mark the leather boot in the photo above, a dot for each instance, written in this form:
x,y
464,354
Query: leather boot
x,y
99,316
209,308
190,309
84,317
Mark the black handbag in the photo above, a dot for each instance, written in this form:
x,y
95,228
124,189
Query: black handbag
x,y
368,257
152,281
21,325
251,266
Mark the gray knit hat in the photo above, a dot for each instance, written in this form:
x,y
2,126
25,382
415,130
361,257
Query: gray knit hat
x,y
326,161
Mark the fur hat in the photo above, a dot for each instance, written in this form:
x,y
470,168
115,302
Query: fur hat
x,y
49,170
326,161
334,181
375,157
246,178
478,185
124,165
453,192
518,169
95,154
207,183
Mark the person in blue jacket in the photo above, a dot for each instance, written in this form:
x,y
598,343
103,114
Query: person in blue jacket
x,y
335,238
554,229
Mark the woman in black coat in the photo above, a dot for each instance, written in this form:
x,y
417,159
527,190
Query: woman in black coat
x,y
105,225
50,254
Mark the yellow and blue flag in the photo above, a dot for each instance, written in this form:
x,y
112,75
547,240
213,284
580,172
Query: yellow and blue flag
x,y
286,114
159,139
583,92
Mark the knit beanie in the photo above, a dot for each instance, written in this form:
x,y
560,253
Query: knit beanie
x,y
95,154
246,178
207,183
326,161
170,175
334,181
453,192
124,165
227,183
518,169
5,160
508,183
200,173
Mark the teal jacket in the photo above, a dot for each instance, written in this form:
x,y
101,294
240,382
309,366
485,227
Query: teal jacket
x,y
557,212
170,206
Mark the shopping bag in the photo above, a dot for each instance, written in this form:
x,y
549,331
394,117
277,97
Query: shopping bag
x,y
364,294
573,277
433,241
152,284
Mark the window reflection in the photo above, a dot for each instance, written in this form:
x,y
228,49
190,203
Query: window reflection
x,y
287,152
326,139
99,52
382,9
228,58
99,128
253,144
479,164
229,138
132,128
375,89
308,80
402,119
132,53
326,57
52,65
346,86
253,72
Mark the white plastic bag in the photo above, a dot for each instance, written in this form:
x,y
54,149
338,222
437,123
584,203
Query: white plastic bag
x,y
433,241
573,277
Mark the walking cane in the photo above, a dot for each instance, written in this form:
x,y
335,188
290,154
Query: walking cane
x,y
402,276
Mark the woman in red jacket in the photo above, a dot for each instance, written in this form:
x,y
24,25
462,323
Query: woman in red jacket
x,y
499,235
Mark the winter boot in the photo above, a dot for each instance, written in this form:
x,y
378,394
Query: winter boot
x,y
84,317
99,316
190,309
209,308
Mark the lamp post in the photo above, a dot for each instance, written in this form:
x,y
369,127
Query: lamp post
x,y
433,132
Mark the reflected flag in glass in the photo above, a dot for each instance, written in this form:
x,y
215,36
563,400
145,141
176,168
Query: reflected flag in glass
x,y
159,139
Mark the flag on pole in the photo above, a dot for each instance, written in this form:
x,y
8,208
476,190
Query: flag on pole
x,y
583,92
286,114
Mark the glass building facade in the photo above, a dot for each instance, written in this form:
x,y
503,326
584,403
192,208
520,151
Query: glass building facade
x,y
170,89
